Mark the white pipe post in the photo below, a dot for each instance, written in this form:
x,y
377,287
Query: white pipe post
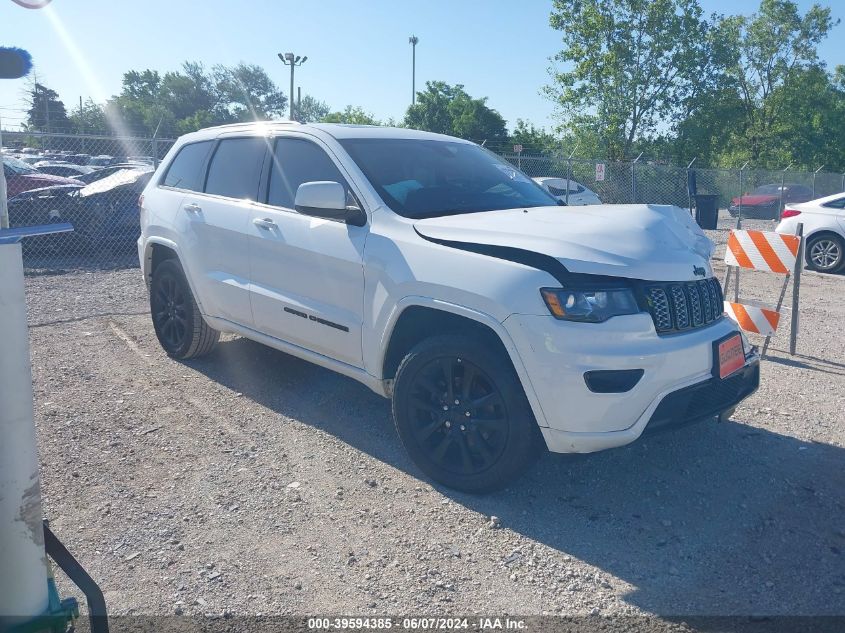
x,y
634,178
814,180
796,290
4,207
782,181
23,563
569,173
689,193
741,195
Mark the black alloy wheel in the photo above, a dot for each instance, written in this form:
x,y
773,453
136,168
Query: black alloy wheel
x,y
170,311
458,415
178,323
461,413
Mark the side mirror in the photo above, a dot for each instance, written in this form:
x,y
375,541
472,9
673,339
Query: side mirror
x,y
327,199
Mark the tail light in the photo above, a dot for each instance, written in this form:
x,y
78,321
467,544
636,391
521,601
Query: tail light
x,y
790,213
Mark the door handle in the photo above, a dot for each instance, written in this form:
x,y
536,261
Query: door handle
x,y
264,223
193,208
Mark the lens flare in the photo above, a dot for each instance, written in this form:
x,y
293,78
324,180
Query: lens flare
x,y
90,78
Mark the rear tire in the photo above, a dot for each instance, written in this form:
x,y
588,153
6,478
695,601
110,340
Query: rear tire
x,y
825,253
178,323
462,415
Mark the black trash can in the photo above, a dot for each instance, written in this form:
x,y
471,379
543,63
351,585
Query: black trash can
x,y
706,210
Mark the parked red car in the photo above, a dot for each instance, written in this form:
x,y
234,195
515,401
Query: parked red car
x,y
21,177
764,202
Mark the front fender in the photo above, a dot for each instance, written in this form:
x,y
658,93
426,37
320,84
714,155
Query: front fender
x,y
145,250
377,359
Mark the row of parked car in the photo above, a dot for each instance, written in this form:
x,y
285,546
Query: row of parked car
x,y
32,156
764,202
101,201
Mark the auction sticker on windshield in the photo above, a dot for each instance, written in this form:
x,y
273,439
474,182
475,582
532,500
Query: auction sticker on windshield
x,y
729,355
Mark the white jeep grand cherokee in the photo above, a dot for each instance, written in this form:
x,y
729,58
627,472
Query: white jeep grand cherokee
x,y
438,275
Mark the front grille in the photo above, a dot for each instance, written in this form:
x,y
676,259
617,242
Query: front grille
x,y
676,307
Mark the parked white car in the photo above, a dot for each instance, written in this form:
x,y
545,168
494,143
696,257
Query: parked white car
x,y
824,231
440,276
578,193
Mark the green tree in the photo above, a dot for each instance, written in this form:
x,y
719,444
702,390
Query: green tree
x,y
194,97
310,109
811,129
449,109
533,139
775,45
352,114
89,118
246,93
185,93
839,77
46,112
630,65
138,106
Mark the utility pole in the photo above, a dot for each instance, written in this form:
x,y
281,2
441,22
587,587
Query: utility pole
x,y
413,42
47,111
289,59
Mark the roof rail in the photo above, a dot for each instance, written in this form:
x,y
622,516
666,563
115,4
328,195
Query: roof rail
x,y
249,123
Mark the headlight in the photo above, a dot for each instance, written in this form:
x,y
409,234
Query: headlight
x,y
589,305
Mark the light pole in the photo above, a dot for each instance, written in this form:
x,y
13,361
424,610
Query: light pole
x,y
413,42
289,59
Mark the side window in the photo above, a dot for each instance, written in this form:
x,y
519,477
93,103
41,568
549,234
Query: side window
x,y
235,168
184,171
296,161
836,204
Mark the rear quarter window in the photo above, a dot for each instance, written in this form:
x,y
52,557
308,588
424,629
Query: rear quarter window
x,y
185,172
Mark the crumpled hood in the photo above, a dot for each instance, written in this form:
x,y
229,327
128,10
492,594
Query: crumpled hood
x,y
637,241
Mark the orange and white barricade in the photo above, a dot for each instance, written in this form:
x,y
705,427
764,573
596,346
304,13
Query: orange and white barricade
x,y
771,252
754,318
762,250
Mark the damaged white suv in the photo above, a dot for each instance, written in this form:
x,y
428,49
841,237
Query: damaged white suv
x,y
438,275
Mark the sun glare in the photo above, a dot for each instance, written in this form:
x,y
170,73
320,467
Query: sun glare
x,y
90,78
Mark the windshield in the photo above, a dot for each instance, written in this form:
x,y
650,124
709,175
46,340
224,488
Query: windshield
x,y
15,166
428,178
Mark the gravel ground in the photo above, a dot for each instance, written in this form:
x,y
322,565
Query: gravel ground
x,y
250,482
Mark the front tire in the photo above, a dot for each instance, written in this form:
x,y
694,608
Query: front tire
x,y
825,253
462,415
177,320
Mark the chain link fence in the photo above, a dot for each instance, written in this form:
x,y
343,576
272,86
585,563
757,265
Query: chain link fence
x,y
624,182
94,182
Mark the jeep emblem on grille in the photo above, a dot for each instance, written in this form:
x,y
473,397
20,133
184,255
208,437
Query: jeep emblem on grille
x,y
699,271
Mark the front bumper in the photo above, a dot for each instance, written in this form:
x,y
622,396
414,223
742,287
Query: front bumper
x,y
705,399
676,386
701,401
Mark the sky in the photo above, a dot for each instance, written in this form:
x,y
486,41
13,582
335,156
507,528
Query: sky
x,y
358,51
